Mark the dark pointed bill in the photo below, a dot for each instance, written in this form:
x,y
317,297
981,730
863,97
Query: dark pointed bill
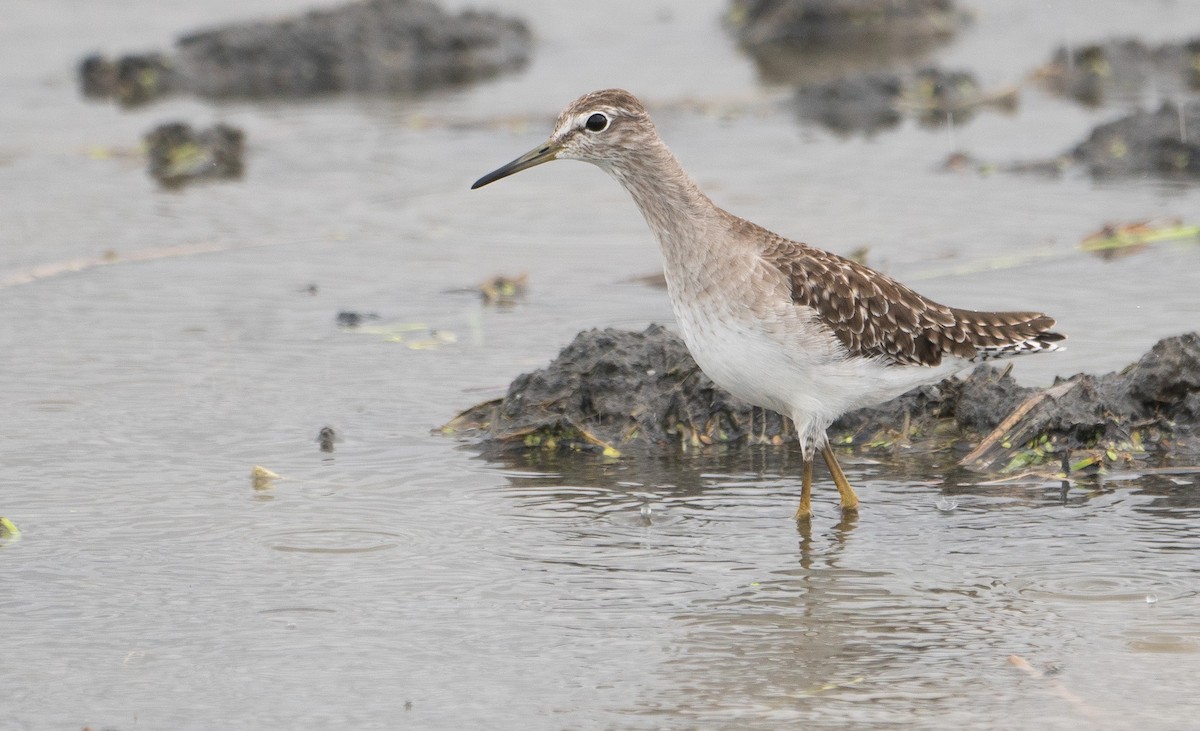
x,y
537,156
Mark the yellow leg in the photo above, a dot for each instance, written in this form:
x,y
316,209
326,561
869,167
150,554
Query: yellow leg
x,y
849,499
804,512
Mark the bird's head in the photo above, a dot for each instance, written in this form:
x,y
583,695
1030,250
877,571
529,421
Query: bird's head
x,y
603,128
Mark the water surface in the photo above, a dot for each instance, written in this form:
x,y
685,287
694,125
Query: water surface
x,y
404,581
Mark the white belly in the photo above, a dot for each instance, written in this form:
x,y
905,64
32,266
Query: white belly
x,y
786,363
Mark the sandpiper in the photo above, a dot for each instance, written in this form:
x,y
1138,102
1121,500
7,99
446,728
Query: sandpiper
x,y
777,323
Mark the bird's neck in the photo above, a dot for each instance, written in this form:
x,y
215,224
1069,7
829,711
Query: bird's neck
x,y
673,205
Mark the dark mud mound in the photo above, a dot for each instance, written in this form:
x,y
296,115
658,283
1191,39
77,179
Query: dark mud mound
x,y
1165,143
1122,69
370,46
613,391
758,23
807,41
1153,405
869,103
864,104
179,154
131,80
1166,381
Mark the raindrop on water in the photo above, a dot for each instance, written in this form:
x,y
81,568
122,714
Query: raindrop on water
x,y
645,511
1152,599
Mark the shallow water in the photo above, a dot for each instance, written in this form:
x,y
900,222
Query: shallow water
x,y
402,579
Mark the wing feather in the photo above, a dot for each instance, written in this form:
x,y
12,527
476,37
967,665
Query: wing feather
x,y
874,316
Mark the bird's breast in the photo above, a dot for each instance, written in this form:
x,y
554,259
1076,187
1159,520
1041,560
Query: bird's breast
x,y
749,339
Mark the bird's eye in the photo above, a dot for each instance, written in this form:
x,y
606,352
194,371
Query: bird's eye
x,y
596,123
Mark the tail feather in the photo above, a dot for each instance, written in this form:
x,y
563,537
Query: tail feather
x,y
1008,334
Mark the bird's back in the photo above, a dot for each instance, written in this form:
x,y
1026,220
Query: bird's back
x,y
874,316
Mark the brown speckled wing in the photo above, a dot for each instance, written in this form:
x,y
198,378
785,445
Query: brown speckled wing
x,y
873,315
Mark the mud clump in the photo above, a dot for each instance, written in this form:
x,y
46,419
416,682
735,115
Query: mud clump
x,y
1165,142
810,41
1097,420
179,154
350,318
131,80
864,104
1122,68
613,391
1166,381
760,23
868,103
375,46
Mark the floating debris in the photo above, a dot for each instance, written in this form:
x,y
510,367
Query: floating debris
x,y
9,532
1077,703
179,154
502,290
354,319
262,478
326,438
109,257
413,335
1116,240
961,162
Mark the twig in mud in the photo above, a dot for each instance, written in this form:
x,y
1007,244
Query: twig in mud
x,y
1012,420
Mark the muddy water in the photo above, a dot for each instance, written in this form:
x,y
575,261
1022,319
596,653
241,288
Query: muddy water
x,y
403,581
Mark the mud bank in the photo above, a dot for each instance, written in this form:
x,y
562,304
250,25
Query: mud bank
x,y
759,23
870,103
819,41
1122,68
614,392
374,46
1162,143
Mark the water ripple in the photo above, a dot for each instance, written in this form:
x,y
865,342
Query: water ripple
x,y
1086,585
333,541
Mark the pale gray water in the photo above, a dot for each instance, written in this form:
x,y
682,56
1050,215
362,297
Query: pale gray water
x,y
154,588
